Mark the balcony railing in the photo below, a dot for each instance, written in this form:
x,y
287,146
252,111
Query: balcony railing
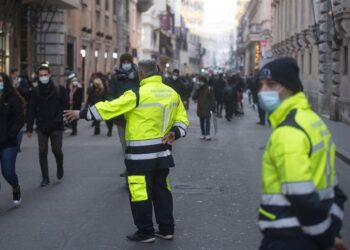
x,y
62,4
144,5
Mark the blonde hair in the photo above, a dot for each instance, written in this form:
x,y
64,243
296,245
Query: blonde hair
x,y
98,84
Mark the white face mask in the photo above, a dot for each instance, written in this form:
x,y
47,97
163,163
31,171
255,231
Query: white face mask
x,y
175,78
44,79
126,66
75,83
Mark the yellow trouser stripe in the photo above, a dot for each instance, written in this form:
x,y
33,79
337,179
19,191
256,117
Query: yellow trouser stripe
x,y
138,188
168,184
267,214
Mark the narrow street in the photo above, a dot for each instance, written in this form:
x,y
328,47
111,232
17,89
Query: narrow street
x,y
216,188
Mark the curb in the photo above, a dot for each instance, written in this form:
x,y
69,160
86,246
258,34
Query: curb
x,y
343,155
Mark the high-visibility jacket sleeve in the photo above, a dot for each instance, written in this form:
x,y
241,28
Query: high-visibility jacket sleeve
x,y
109,109
290,152
181,121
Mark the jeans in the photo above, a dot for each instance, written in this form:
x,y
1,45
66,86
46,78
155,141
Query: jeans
x,y
8,165
205,125
56,145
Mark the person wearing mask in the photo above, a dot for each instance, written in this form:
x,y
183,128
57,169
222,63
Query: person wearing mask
x,y
302,205
23,88
124,79
75,94
177,84
12,120
96,93
46,108
150,132
205,98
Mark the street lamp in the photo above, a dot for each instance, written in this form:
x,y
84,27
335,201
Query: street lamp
x,y
83,53
106,55
115,55
96,53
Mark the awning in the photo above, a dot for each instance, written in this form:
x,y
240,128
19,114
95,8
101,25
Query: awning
x,y
61,4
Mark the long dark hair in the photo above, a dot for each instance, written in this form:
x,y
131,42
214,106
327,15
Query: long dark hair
x,y
9,89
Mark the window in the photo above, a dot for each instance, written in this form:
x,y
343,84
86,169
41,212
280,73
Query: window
x,y
98,2
346,60
107,5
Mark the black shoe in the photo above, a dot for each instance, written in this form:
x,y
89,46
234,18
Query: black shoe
x,y
139,237
73,133
164,236
17,196
60,173
44,182
109,133
261,123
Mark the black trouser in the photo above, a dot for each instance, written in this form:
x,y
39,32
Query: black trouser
x,y
288,244
219,107
56,146
154,193
262,114
74,126
229,107
110,124
205,125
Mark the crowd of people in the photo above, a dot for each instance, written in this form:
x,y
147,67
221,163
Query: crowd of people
x,y
302,205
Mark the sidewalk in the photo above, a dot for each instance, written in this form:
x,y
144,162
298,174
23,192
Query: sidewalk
x,y
341,136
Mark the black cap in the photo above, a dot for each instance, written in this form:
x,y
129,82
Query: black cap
x,y
283,70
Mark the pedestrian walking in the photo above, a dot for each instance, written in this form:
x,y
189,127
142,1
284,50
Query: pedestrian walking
x,y
22,86
229,100
155,117
302,205
12,120
177,84
204,95
125,78
46,108
75,95
219,85
261,112
96,93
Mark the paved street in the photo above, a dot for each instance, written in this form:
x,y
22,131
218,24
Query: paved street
x,y
216,187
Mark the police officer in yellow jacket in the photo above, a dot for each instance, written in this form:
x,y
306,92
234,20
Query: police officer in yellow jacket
x,y
155,117
302,206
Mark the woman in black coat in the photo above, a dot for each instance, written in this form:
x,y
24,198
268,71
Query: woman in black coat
x,y
12,120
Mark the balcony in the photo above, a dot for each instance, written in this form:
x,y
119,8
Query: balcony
x,y
144,5
61,4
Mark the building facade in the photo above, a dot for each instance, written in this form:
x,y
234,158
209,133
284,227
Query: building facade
x,y
316,33
254,36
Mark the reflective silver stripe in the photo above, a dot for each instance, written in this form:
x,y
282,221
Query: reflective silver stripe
x,y
317,124
326,194
298,188
324,133
274,200
318,228
182,132
282,223
147,156
88,115
144,142
337,211
95,113
155,104
181,125
318,146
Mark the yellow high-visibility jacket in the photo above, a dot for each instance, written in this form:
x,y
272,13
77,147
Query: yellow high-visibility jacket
x,y
151,112
300,193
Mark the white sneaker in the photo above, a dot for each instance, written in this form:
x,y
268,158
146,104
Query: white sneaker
x,y
203,137
208,138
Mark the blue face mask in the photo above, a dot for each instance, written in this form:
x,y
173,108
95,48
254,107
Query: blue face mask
x,y
269,100
127,66
1,86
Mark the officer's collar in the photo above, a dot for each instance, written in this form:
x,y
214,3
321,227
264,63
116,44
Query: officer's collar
x,y
152,78
297,101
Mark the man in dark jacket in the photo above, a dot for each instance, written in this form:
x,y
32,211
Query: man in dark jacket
x,y
125,78
46,107
219,85
177,84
